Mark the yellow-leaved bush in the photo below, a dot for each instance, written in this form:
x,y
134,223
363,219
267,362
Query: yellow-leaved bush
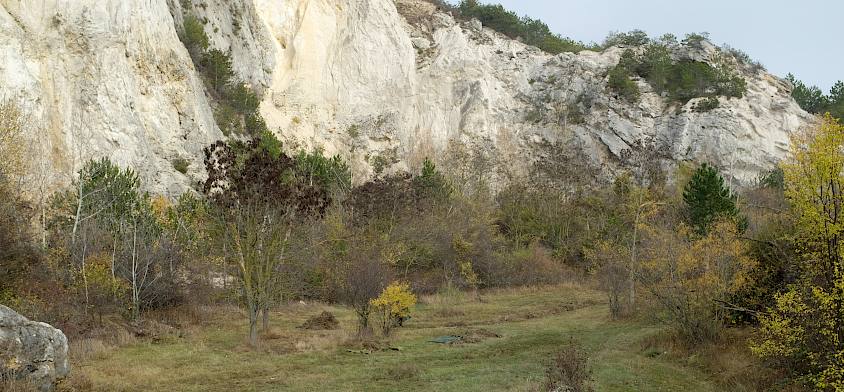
x,y
394,305
689,279
804,331
99,285
464,250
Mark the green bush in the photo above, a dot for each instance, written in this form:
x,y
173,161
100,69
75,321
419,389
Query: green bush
x,y
655,65
353,131
680,80
530,31
181,165
811,99
631,38
707,104
254,124
695,39
432,183
216,66
227,119
547,218
773,179
241,97
331,173
194,37
691,79
621,84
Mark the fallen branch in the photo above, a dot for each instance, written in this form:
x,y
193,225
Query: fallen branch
x,y
730,306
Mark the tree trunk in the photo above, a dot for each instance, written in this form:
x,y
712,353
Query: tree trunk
x,y
113,257
363,320
78,214
135,289
85,276
253,326
265,313
631,300
225,270
43,226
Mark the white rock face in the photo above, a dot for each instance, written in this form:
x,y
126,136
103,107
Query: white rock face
x,y
105,78
384,83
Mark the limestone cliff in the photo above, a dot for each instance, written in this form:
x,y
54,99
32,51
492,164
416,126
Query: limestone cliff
x,y
384,83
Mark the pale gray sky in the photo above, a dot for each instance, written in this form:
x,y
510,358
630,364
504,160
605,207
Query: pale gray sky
x,y
804,37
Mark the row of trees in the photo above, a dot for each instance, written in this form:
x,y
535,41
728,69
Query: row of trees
x,y
813,100
699,258
281,226
804,329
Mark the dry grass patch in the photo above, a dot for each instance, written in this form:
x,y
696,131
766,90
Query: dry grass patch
x,y
100,342
216,357
728,360
76,382
10,384
322,341
84,350
400,372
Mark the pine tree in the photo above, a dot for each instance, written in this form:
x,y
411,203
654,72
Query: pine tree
x,y
432,183
707,198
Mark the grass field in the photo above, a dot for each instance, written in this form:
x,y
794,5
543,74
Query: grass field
x,y
531,322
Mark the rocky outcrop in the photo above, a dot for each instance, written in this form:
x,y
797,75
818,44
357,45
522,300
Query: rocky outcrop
x,y
384,83
31,350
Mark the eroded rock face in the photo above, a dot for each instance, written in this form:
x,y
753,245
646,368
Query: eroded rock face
x,y
384,83
105,79
32,350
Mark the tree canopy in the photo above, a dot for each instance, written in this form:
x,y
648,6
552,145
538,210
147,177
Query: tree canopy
x,y
813,100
